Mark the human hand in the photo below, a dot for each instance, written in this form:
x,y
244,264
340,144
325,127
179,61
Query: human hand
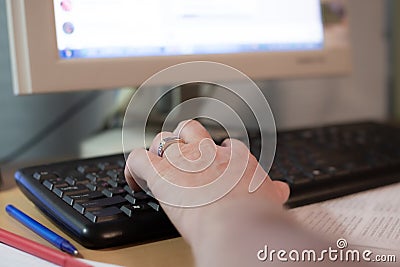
x,y
197,163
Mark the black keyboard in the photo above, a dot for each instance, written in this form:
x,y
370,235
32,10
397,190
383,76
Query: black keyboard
x,y
91,201
327,162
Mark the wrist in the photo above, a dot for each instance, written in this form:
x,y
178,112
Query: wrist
x,y
229,224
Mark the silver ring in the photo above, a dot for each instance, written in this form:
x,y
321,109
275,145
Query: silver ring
x,y
166,142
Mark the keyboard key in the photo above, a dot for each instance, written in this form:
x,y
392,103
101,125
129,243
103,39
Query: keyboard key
x,y
84,169
49,185
44,175
113,183
70,199
114,191
106,214
98,203
97,177
117,182
79,208
129,190
133,209
105,166
91,187
154,205
70,180
131,199
116,174
92,176
68,189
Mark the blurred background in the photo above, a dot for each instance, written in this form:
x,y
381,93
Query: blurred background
x,y
52,127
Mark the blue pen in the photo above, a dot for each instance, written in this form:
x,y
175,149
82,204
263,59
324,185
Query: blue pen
x,y
41,230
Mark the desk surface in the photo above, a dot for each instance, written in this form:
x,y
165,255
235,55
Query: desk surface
x,y
172,252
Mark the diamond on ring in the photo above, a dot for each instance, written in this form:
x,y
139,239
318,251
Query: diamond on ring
x,y
166,142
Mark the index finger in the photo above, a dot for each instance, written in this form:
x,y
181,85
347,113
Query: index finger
x,y
140,168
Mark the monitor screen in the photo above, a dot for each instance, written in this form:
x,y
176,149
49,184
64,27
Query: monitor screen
x,y
65,45
136,28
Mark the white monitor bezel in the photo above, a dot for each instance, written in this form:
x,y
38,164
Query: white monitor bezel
x,y
37,68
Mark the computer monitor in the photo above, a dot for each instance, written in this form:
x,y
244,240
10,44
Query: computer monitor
x,y
67,45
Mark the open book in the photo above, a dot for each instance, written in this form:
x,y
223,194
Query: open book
x,y
367,219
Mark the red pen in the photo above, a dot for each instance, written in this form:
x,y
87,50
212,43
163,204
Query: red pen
x,y
39,250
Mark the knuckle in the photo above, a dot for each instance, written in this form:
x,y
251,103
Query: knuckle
x,y
238,144
193,123
189,124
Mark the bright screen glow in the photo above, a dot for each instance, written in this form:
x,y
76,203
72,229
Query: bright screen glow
x,y
137,28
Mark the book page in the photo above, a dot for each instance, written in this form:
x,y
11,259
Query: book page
x,y
369,219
